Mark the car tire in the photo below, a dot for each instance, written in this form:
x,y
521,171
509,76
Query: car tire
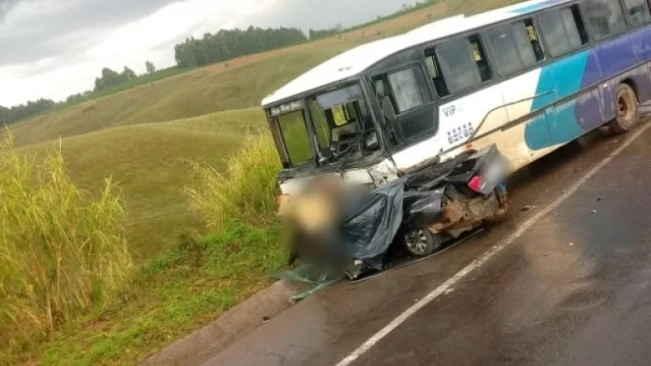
x,y
421,242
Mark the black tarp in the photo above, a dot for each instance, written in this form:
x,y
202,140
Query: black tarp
x,y
372,223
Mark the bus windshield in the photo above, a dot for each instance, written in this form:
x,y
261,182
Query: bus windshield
x,y
296,137
340,127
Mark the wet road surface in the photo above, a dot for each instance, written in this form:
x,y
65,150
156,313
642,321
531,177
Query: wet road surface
x,y
573,289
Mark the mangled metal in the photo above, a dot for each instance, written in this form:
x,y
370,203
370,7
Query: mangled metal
x,y
352,228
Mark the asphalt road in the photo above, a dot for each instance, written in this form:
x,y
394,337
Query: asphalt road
x,y
564,281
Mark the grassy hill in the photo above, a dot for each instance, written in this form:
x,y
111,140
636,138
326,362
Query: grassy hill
x,y
150,164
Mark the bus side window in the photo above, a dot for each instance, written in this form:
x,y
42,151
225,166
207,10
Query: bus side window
x,y
402,87
563,30
515,47
534,39
434,71
638,12
606,18
480,58
458,65
410,98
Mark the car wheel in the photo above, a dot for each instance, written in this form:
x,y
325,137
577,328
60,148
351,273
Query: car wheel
x,y
421,242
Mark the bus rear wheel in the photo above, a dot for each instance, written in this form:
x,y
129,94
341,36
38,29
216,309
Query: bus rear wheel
x,y
626,110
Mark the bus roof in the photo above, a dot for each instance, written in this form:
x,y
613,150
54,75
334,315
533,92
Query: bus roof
x,y
353,62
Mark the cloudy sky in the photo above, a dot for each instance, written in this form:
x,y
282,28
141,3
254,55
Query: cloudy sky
x,y
54,48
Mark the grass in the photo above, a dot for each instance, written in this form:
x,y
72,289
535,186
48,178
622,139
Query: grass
x,y
160,141
144,79
195,281
173,294
246,193
62,251
424,5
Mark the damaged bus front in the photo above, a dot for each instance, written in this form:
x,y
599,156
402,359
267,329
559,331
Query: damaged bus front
x,y
346,199
372,156
332,132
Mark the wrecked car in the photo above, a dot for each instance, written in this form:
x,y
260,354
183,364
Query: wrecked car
x,y
353,230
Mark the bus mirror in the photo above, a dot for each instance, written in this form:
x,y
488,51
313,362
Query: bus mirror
x,y
389,111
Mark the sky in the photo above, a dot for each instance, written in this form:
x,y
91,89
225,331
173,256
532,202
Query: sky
x,y
54,48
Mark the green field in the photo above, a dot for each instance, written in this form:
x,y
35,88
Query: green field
x,y
150,163
146,138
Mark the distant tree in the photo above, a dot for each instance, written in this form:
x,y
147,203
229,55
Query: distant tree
x,y
322,33
112,78
128,74
150,67
4,115
77,97
73,98
108,79
24,111
230,43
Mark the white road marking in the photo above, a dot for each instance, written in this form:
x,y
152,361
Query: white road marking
x,y
448,285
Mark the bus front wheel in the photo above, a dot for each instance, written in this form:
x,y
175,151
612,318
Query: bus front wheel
x,y
626,110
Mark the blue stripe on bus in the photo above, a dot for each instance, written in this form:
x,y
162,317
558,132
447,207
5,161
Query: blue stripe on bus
x,y
568,76
564,78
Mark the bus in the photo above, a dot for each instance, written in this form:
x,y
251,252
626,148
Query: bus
x,y
527,78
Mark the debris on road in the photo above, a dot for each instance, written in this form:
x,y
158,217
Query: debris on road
x,y
313,277
526,208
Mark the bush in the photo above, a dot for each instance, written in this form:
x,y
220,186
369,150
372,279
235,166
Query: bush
x,y
62,251
246,193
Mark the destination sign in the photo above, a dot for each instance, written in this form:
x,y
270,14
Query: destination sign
x,y
286,108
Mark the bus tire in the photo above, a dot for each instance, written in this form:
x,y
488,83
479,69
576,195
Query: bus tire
x,y
627,112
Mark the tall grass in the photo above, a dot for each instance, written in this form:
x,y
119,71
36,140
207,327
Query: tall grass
x,y
245,193
61,250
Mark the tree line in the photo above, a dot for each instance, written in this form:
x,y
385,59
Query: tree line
x,y
323,33
112,78
108,79
222,46
230,43
24,111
